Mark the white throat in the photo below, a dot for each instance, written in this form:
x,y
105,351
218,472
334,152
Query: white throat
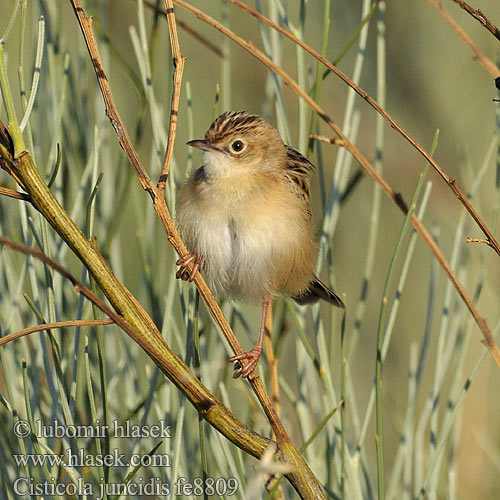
x,y
218,164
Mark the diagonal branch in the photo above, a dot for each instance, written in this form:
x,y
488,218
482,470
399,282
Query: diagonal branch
x,y
58,324
488,339
393,123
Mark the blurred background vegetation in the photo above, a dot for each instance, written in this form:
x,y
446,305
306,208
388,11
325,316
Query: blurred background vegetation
x,y
432,82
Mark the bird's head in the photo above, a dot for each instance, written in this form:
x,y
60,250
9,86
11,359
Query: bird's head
x,y
238,143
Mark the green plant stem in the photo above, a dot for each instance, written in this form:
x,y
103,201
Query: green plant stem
x,y
36,73
343,369
93,411
379,438
353,38
11,21
316,90
13,126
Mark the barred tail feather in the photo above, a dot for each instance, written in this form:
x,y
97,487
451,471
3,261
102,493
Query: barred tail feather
x,y
318,290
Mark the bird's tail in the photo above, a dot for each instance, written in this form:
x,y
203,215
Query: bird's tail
x,y
318,290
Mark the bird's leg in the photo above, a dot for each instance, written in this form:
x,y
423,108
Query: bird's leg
x,y
183,273
253,355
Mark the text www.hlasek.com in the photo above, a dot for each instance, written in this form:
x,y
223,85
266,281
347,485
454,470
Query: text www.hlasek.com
x,y
81,459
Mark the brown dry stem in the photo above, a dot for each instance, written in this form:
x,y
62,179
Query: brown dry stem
x,y
178,62
272,361
477,240
11,193
327,140
51,326
301,477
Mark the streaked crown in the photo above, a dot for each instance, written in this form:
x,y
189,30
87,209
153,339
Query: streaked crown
x,y
233,123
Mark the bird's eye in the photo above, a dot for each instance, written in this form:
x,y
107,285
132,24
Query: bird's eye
x,y
237,146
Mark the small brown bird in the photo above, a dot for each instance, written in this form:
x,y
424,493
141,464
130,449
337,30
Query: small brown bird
x,y
245,216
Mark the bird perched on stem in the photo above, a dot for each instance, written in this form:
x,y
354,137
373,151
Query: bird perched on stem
x,y
245,217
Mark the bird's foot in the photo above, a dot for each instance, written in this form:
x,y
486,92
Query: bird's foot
x,y
184,273
252,356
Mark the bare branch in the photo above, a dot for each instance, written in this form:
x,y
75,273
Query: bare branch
x,y
178,62
50,326
11,193
327,140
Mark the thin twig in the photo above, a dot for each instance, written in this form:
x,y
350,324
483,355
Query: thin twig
x,y
488,339
178,62
327,140
394,124
477,14
11,193
477,54
50,326
477,240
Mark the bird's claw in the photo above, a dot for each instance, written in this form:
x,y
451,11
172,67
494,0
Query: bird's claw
x,y
252,356
184,273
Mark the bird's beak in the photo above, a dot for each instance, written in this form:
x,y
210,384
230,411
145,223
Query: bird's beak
x,y
204,145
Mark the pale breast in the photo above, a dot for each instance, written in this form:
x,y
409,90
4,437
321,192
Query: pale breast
x,y
250,246
205,231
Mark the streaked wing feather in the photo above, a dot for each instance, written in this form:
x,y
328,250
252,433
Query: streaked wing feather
x,y
297,172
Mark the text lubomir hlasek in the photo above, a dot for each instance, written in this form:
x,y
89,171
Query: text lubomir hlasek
x,y
119,430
